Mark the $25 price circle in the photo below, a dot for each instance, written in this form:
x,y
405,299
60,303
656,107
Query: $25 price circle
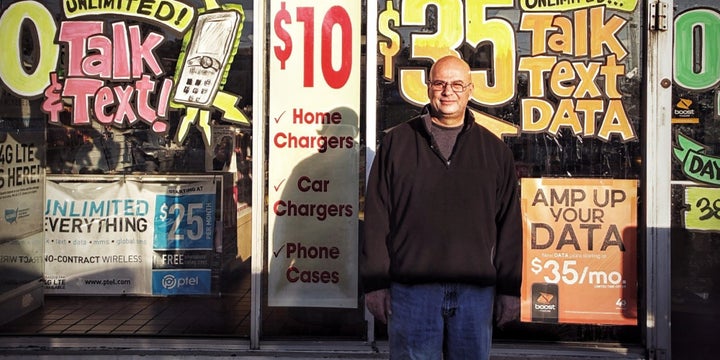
x,y
184,222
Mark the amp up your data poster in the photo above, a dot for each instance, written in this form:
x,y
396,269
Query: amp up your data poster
x,y
129,237
580,251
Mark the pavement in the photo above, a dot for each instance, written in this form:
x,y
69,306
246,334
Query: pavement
x,y
110,348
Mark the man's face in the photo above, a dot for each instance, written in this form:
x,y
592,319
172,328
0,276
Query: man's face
x,y
448,104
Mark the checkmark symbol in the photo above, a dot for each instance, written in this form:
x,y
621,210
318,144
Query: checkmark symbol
x,y
277,253
277,119
277,187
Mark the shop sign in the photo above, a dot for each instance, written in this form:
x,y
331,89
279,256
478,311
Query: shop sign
x,y
703,208
684,112
703,205
314,107
22,178
689,71
696,65
575,58
565,5
112,74
697,165
580,251
181,282
21,183
696,75
129,238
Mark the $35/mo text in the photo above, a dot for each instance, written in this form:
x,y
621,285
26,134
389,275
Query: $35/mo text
x,y
566,271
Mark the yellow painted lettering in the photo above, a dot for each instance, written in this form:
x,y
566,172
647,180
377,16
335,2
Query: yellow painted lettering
x,y
616,122
536,66
562,41
12,71
536,114
562,79
565,116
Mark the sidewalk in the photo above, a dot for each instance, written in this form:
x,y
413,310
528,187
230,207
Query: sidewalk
x,y
109,348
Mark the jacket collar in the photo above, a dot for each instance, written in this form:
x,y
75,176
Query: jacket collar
x,y
468,121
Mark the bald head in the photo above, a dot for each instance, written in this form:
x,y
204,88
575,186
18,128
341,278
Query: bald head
x,y
450,62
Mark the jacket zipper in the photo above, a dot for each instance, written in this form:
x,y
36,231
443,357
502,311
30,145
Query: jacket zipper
x,y
434,148
439,154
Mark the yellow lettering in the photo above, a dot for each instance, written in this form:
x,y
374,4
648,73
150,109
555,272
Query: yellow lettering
x,y
12,72
562,41
616,122
565,116
562,74
536,115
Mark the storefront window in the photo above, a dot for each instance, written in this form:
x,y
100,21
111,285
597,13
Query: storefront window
x,y
22,161
314,176
695,136
561,84
148,110
140,121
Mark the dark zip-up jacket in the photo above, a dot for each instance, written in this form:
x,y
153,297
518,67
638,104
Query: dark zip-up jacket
x,y
430,220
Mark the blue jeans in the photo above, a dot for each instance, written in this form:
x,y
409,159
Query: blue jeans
x,y
440,321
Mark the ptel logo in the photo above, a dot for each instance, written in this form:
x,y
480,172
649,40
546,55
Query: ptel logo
x,y
170,281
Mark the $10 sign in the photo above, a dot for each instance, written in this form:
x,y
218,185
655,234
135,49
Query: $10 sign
x,y
334,35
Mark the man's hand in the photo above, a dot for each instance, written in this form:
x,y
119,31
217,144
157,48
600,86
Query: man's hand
x,y
378,302
507,309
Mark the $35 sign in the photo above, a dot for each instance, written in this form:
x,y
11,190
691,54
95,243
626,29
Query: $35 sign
x,y
294,31
702,209
458,22
184,222
570,272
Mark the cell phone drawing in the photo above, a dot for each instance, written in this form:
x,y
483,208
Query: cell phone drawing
x,y
207,55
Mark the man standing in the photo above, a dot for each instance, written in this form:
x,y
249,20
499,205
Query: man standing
x,y
442,228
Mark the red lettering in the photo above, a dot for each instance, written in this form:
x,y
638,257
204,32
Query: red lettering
x,y
142,52
75,33
80,90
124,108
293,275
121,59
144,88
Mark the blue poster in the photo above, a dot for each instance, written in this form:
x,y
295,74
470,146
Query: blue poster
x,y
184,221
181,282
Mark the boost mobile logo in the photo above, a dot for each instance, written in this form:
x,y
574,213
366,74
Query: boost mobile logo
x,y
683,108
170,282
684,104
544,301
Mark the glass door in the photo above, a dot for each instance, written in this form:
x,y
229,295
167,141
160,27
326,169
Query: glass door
x,y
22,192
695,235
560,83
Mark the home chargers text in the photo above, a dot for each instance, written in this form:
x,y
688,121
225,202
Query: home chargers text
x,y
94,60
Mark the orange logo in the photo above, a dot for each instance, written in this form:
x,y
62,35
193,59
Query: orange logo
x,y
545,298
684,104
